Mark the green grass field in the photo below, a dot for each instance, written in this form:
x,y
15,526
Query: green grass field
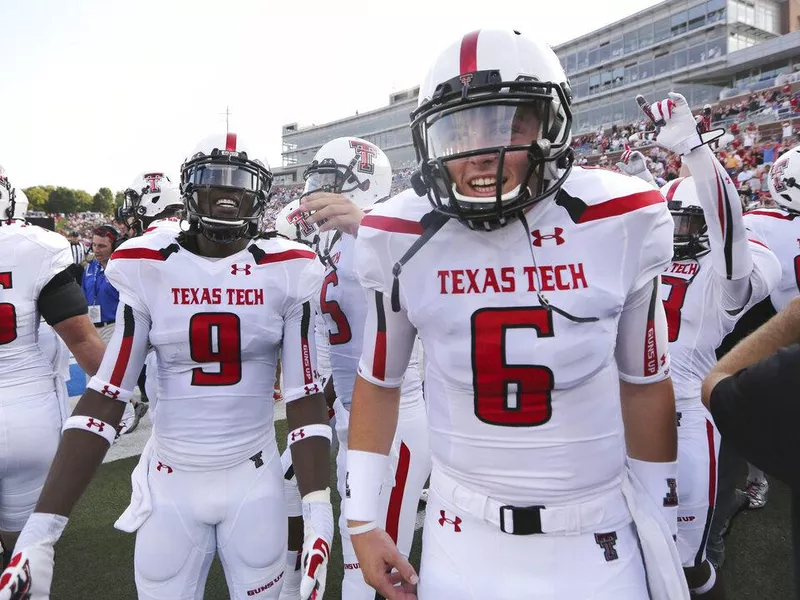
x,y
95,561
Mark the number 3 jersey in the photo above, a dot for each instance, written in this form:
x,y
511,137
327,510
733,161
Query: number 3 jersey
x,y
29,258
216,325
524,398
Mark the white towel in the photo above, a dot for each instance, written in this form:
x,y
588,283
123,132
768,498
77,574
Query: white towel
x,y
662,563
141,499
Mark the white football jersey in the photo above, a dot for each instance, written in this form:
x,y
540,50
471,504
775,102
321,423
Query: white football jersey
x,y
699,319
171,224
524,400
780,230
29,258
216,326
344,306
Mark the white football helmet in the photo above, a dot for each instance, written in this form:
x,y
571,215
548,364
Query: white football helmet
x,y
352,167
784,180
225,185
291,223
150,195
13,202
690,238
499,103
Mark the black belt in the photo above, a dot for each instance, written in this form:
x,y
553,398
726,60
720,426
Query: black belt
x,y
104,323
526,520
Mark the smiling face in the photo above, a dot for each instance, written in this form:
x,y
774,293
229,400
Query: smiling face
x,y
486,127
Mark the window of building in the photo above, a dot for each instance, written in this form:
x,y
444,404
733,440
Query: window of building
x,y
662,64
580,88
645,34
697,16
678,23
617,112
603,53
661,30
679,59
583,60
631,41
716,10
570,63
618,77
645,69
717,47
631,73
696,54
605,81
592,57
594,83
616,47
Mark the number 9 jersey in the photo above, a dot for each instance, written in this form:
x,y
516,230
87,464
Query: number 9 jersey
x,y
216,326
527,331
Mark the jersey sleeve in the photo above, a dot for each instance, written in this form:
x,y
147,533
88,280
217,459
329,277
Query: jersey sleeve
x,y
322,340
124,275
389,339
125,354
649,250
642,350
56,259
298,354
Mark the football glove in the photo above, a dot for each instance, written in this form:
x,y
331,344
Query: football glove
x,y
318,534
29,574
633,163
679,132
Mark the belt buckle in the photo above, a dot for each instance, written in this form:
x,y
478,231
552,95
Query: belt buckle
x,y
527,520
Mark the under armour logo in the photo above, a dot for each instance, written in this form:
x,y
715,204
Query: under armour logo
x,y
608,542
671,499
161,466
311,389
107,391
236,268
257,460
663,359
678,419
556,235
456,523
92,423
347,485
298,435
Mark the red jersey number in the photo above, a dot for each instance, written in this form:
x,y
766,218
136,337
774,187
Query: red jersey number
x,y
216,338
506,394
334,311
8,313
673,303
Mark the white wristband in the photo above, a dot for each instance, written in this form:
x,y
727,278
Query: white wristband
x,y
660,481
93,425
365,474
41,528
362,528
112,391
315,429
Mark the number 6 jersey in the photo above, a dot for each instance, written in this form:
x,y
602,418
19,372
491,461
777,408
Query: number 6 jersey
x,y
216,326
523,398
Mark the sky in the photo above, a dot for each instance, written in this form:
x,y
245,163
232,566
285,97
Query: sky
x,y
93,92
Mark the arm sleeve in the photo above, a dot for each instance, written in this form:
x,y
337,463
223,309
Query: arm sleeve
x,y
642,351
757,412
730,251
61,299
299,353
124,356
389,339
323,345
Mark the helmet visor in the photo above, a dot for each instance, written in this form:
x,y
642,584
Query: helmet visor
x,y
687,225
225,175
472,128
324,179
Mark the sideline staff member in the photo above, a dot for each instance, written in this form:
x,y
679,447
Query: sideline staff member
x,y
100,294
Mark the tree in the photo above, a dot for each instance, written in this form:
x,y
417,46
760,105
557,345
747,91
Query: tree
x,y
84,200
37,196
103,201
62,200
119,199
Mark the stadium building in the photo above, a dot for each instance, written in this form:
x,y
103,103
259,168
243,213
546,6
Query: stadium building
x,y
705,50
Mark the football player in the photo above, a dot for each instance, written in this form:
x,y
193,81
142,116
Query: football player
x,y
34,280
778,229
216,303
347,176
718,271
534,287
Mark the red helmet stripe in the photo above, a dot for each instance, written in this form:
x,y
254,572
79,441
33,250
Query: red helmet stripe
x,y
230,142
671,191
469,53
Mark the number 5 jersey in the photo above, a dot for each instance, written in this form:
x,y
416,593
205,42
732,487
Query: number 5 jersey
x,y
216,325
527,331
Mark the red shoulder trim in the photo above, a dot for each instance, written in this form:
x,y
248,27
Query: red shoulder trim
x,y
146,253
774,215
620,206
392,224
285,255
759,243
